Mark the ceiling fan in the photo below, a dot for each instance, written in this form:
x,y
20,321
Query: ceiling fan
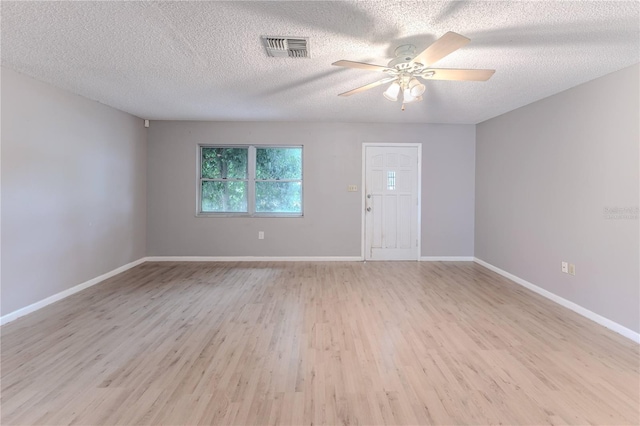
x,y
405,69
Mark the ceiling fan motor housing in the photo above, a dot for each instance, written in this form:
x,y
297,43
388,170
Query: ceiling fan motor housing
x,y
404,55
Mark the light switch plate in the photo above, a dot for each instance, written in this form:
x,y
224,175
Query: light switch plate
x,y
565,267
352,188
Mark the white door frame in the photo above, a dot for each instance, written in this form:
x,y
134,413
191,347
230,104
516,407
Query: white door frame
x,y
364,192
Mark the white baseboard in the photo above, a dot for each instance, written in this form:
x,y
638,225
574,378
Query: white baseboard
x,y
611,325
446,259
254,259
66,293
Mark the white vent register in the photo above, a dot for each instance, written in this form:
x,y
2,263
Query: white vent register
x,y
286,47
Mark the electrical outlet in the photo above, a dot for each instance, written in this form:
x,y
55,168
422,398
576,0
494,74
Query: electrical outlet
x,y
352,188
572,269
261,235
565,267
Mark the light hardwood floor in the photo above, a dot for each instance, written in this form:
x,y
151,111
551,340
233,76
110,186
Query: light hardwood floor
x,y
314,343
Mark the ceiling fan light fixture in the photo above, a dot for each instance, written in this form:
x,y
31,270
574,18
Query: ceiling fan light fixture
x,y
416,88
392,92
407,97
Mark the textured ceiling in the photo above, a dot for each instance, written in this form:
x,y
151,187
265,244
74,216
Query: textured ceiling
x,y
205,61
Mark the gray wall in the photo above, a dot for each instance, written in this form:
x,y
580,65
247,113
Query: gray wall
x,y
73,190
331,225
544,175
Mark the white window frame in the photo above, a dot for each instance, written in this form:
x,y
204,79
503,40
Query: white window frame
x,y
251,183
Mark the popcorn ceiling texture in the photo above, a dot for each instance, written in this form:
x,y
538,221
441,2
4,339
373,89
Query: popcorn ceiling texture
x,y
205,60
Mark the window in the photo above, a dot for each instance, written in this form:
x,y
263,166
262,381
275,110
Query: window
x,y
278,180
391,181
250,180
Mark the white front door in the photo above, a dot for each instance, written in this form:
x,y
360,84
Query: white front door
x,y
391,203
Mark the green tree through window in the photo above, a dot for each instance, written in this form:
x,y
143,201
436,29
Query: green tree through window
x,y
279,180
251,180
224,179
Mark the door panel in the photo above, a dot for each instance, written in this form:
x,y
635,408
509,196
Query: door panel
x,y
391,188
404,210
390,219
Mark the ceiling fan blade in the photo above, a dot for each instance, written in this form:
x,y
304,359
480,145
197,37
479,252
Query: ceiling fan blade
x,y
456,74
448,43
368,86
361,65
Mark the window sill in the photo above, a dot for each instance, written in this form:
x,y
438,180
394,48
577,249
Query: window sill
x,y
253,216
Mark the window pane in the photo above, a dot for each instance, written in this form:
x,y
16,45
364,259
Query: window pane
x,y
224,163
230,196
391,181
279,197
278,163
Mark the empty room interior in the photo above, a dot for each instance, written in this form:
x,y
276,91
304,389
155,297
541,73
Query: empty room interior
x,y
321,213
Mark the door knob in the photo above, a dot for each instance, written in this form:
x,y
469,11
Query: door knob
x,y
368,195
368,209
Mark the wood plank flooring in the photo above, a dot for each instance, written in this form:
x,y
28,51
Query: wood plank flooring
x,y
314,343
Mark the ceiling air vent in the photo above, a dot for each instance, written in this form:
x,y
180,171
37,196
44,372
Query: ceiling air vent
x,y
286,47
